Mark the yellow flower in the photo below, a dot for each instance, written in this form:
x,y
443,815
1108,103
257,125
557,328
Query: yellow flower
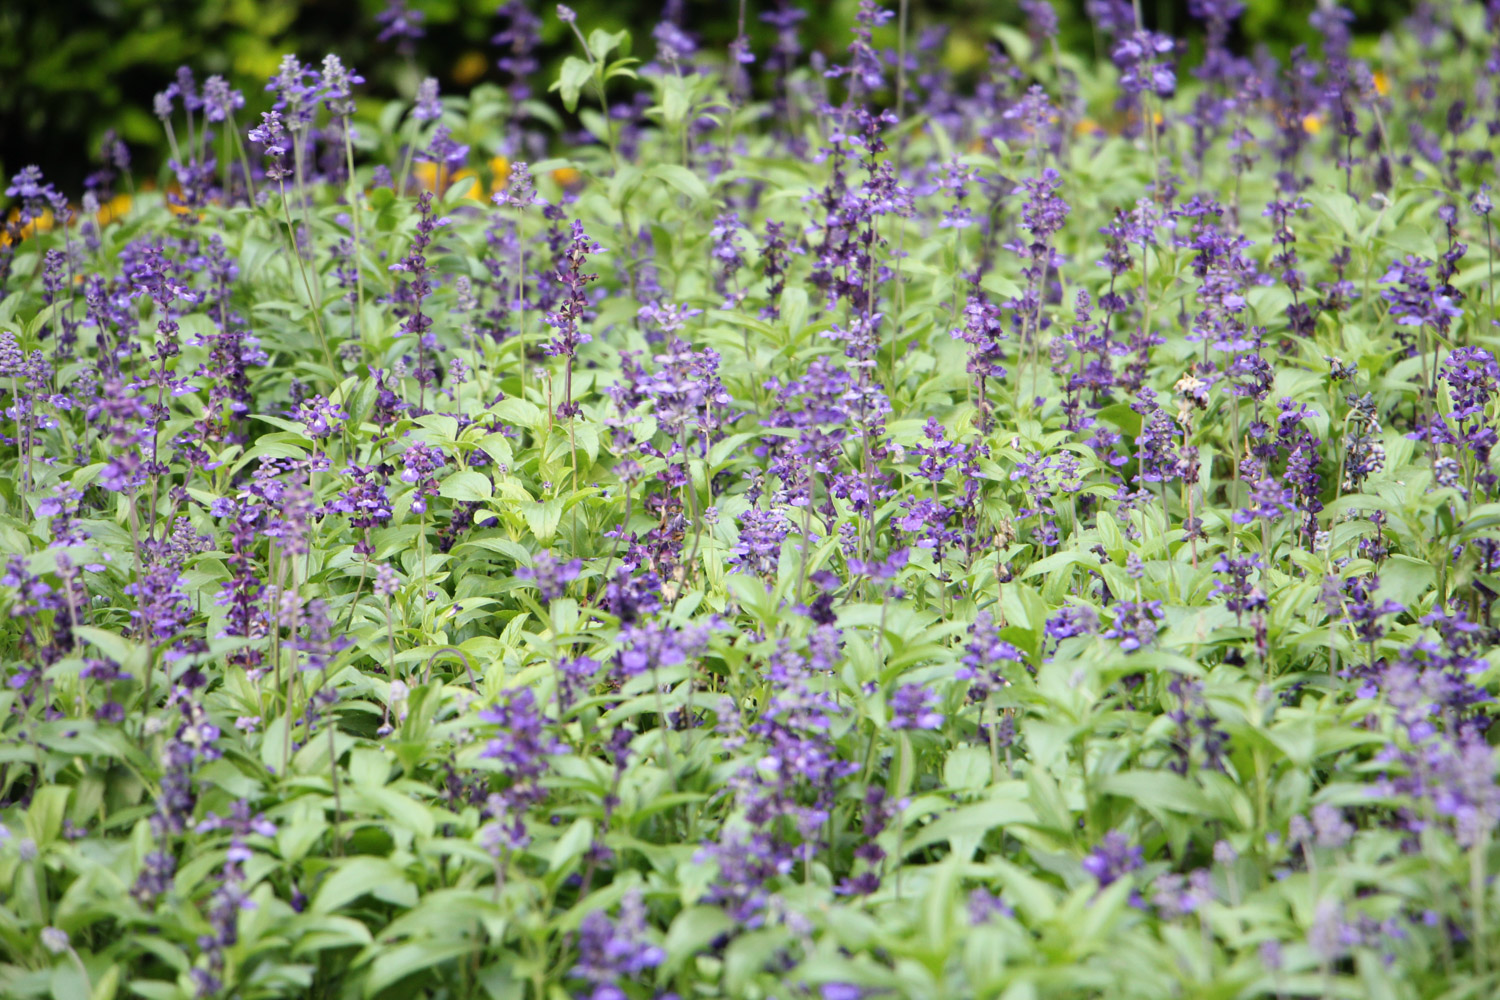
x,y
469,67
116,208
473,192
425,174
41,224
566,176
1382,83
1312,124
499,174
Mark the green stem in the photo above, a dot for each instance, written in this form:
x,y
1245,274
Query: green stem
x,y
312,305
355,209
1477,903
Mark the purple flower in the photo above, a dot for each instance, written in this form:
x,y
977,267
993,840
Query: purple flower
x,y
54,940
321,417
1480,203
1176,897
1072,620
1043,211
673,45
758,549
984,654
413,294
1413,299
1113,859
1041,18
727,254
399,22
220,101
1330,828
518,42
568,337
1238,592
1134,624
913,707
1144,66
273,140
364,500
939,456
443,150
338,82
296,88
386,581
154,879
653,645
984,906
1473,378
1111,17
420,462
550,576
428,107
615,951
521,741
983,330
240,821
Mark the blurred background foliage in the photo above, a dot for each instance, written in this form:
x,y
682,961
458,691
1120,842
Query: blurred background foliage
x,y
71,69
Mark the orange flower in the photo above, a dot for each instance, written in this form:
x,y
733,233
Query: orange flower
x,y
566,176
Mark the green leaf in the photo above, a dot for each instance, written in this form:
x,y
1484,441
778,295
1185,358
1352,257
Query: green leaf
x,y
571,844
520,412
466,485
1156,790
574,76
1339,207
998,284
394,964
967,768
1016,41
1404,579
1412,239
692,931
681,178
602,43
964,828
675,99
353,878
312,932
543,518
107,986
404,810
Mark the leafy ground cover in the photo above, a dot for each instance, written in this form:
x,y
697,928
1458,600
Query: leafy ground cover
x,y
822,528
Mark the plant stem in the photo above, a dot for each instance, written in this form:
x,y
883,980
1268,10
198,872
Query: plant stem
x,y
312,305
